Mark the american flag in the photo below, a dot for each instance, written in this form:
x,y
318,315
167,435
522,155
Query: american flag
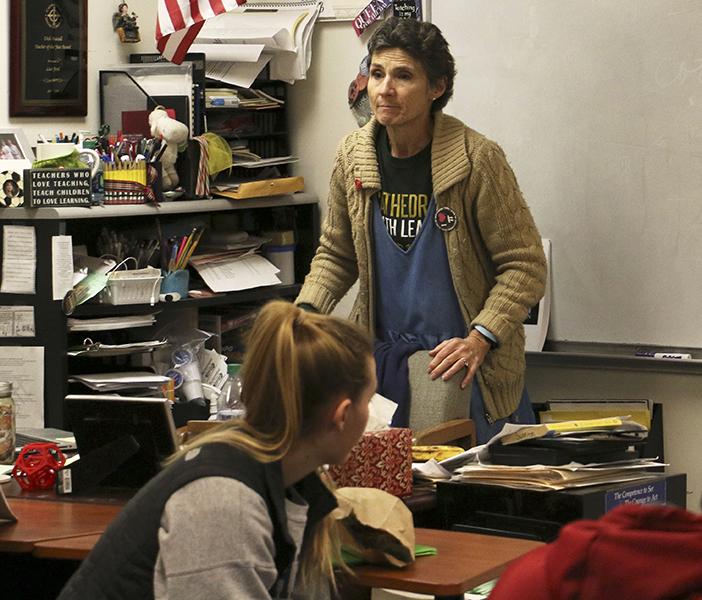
x,y
179,21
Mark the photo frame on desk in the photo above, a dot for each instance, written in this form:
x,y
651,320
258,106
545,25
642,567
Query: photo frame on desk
x,y
15,156
536,323
49,51
122,440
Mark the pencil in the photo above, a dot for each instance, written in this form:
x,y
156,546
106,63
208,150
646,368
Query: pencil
x,y
194,244
187,241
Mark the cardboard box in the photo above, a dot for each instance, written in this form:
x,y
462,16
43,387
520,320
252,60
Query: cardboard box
x,y
381,459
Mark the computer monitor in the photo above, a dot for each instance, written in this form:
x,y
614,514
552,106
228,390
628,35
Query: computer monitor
x,y
122,441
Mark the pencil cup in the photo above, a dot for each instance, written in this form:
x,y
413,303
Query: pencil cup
x,y
176,282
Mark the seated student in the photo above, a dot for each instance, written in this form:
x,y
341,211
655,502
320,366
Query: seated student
x,y
633,552
241,507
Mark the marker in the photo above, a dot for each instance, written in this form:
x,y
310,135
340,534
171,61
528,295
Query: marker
x,y
674,355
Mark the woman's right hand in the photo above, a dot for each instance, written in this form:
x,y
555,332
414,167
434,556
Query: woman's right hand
x,y
453,355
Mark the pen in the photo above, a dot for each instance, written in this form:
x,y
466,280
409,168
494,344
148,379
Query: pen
x,y
674,355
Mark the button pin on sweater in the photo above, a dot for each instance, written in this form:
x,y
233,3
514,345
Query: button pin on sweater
x,y
445,218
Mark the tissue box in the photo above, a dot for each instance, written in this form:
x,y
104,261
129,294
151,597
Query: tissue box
x,y
381,459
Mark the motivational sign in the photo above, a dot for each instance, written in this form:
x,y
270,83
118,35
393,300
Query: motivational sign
x,y
57,187
48,51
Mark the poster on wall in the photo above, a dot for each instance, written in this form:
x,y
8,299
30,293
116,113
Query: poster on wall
x,y
49,54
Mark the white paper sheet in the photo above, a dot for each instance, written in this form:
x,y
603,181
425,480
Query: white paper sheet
x,y
61,265
536,325
24,367
239,274
19,259
285,31
229,52
242,74
17,321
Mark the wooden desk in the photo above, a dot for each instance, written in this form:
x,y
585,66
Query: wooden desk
x,y
464,560
42,520
71,548
69,530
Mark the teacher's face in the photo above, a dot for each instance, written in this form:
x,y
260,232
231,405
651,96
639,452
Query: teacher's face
x,y
399,90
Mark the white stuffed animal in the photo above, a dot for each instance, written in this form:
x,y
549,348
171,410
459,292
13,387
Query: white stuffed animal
x,y
175,135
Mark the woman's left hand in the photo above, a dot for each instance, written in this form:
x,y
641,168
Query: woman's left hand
x,y
453,355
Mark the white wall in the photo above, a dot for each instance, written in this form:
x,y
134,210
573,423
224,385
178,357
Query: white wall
x,y
319,113
104,50
319,117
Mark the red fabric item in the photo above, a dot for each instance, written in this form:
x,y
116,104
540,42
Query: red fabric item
x,y
179,21
381,459
634,552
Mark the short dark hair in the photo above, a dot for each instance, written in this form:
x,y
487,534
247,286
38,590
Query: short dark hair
x,y
423,42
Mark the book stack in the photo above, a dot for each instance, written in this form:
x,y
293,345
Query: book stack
x,y
584,441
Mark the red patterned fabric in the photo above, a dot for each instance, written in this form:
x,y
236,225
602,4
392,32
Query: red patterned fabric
x,y
382,459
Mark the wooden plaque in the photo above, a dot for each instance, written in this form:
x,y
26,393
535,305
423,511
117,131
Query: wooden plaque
x,y
48,58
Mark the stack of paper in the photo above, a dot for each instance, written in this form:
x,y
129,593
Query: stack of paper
x,y
227,272
111,323
572,475
638,410
110,382
240,43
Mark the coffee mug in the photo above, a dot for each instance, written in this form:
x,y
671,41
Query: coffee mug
x,y
58,150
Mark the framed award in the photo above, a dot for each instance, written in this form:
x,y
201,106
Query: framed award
x,y
48,58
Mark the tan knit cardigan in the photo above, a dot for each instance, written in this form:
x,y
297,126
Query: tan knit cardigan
x,y
495,254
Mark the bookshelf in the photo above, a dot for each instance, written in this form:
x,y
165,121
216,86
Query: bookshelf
x,y
298,212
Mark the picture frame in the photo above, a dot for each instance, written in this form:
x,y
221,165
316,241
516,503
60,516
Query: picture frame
x,y
15,156
49,48
536,323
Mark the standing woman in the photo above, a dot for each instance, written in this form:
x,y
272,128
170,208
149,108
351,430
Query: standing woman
x,y
426,213
239,508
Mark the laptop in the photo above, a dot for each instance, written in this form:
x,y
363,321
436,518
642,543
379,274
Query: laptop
x,y
29,435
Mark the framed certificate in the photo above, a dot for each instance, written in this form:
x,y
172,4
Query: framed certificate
x,y
49,58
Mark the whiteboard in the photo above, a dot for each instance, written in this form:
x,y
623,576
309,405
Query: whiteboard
x,y
598,106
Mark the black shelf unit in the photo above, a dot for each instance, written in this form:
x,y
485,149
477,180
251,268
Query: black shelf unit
x,y
263,131
297,211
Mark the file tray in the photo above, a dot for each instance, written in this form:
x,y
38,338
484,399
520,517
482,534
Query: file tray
x,y
130,88
554,451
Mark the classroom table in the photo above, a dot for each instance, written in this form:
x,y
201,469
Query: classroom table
x,y
71,548
42,520
463,561
68,531
23,573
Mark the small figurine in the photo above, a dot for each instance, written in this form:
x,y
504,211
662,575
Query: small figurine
x,y
125,24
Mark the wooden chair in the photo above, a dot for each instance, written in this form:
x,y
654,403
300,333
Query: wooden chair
x,y
456,432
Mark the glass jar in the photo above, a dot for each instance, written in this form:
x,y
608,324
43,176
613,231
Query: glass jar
x,y
7,424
